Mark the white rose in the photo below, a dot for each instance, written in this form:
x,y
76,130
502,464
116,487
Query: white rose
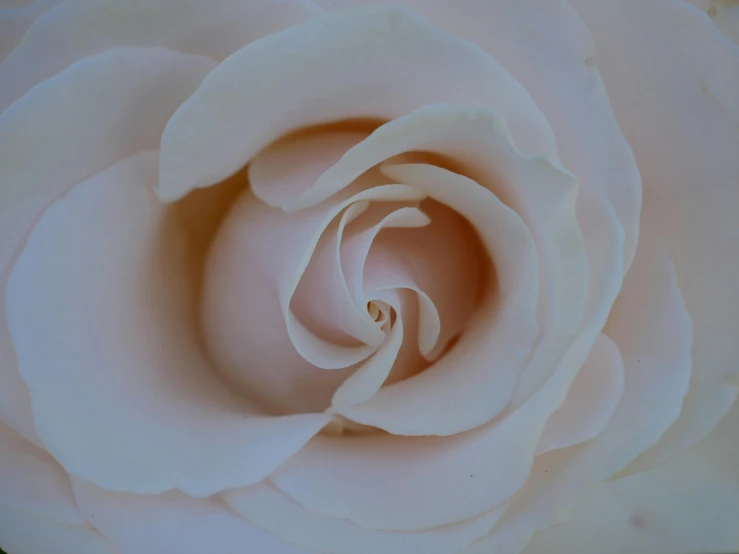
x,y
286,276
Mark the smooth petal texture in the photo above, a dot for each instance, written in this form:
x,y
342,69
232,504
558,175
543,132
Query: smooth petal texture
x,y
30,534
591,400
32,483
390,63
690,186
652,329
548,49
125,98
688,504
174,523
244,273
38,512
114,306
76,29
481,371
15,20
272,510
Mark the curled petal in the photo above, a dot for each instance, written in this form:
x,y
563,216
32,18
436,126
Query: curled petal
x,y
102,337
390,62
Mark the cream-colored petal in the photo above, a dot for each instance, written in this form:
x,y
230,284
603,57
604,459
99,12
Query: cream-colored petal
x,y
591,400
390,63
76,29
481,371
269,508
15,20
102,316
124,97
659,59
174,523
32,483
688,504
548,49
652,329
27,533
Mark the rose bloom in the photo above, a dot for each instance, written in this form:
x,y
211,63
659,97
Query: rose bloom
x,y
292,276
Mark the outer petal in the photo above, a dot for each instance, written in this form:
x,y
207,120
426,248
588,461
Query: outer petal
x,y
673,81
101,312
272,510
391,62
38,513
689,504
652,329
79,28
125,98
15,20
548,49
174,523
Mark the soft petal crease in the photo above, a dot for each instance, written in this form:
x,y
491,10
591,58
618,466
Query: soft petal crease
x,y
76,29
689,504
652,329
390,63
125,97
591,401
174,523
269,508
690,174
114,299
15,20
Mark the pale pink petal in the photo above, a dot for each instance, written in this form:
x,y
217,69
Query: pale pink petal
x,y
652,329
125,98
14,20
31,482
390,62
286,168
659,59
174,523
27,533
244,270
76,29
591,400
269,508
392,483
481,371
102,316
548,49
689,504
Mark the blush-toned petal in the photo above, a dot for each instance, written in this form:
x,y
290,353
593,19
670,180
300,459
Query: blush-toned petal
x,y
688,504
174,523
690,191
15,20
102,317
483,367
269,508
652,329
591,400
391,62
31,482
30,534
125,98
244,272
76,29
557,65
